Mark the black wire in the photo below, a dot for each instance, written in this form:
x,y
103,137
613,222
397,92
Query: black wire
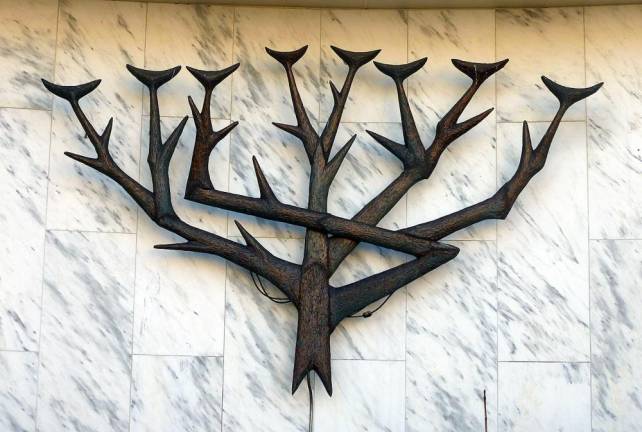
x,y
311,398
258,283
261,288
368,314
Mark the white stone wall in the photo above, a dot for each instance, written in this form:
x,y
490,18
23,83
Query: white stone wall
x,y
100,332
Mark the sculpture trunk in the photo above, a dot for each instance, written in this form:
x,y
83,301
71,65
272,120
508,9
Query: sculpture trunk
x,y
312,350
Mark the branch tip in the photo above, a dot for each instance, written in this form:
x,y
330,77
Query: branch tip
x,y
355,59
264,186
71,93
401,72
153,79
210,79
287,58
479,72
567,96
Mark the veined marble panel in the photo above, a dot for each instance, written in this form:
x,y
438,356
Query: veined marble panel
x,y
543,251
382,335
180,296
614,114
466,172
373,95
27,47
24,162
259,354
89,48
195,35
547,41
452,343
284,163
174,394
537,397
18,387
260,96
616,334
367,396
85,349
260,90
366,171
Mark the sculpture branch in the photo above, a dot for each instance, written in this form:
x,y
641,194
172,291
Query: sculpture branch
x,y
157,203
418,162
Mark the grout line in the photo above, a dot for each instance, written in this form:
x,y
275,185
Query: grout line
x,y
540,121
177,355
405,197
49,110
227,220
18,351
44,237
54,230
496,235
588,229
546,361
140,140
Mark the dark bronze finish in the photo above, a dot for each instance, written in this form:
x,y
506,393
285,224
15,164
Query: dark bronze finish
x,y
329,239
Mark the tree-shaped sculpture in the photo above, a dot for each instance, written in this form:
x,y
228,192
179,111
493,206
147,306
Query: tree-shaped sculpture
x,y
329,239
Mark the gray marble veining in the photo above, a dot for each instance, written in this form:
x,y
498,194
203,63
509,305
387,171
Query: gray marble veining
x,y
613,38
176,394
536,397
85,348
80,198
27,49
546,41
24,162
18,386
452,343
543,251
205,42
466,171
180,297
616,334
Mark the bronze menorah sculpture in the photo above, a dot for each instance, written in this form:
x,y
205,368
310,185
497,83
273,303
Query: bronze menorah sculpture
x,y
329,239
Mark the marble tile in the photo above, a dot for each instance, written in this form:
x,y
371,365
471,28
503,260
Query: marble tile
x,y
180,296
24,162
367,170
27,48
452,343
538,42
466,172
373,96
18,387
85,349
544,397
367,396
176,394
260,89
285,164
80,198
543,252
259,352
614,128
616,335
205,42
382,335
260,96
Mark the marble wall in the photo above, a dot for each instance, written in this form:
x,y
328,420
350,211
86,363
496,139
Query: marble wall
x,y
100,332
